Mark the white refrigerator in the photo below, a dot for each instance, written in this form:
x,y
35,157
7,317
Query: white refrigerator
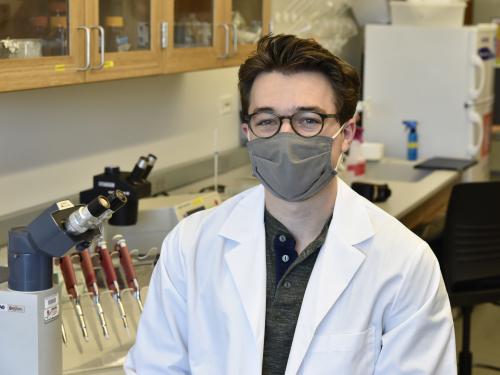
x,y
441,77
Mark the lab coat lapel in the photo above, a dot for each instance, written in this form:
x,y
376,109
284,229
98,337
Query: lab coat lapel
x,y
246,259
336,265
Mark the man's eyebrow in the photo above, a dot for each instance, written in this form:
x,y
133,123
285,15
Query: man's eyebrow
x,y
263,109
295,109
313,109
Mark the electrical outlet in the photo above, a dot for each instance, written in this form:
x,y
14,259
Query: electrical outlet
x,y
225,104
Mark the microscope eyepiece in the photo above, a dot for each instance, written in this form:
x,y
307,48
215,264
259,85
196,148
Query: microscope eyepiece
x,y
98,205
138,172
151,159
117,200
88,216
151,162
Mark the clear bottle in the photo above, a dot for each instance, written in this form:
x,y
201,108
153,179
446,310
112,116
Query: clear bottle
x,y
39,30
116,39
58,37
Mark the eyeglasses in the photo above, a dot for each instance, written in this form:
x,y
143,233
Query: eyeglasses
x,y
304,123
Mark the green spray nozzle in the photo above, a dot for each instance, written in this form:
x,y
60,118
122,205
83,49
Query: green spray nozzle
x,y
411,125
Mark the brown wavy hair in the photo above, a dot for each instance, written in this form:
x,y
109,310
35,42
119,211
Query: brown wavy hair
x,y
288,54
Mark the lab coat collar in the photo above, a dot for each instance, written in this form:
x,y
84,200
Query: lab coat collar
x,y
350,219
336,265
246,260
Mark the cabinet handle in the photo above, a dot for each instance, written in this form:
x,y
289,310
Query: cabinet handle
x,y
235,38
226,38
87,48
100,30
164,35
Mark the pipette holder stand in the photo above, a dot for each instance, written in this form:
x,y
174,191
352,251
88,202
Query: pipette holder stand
x,y
29,303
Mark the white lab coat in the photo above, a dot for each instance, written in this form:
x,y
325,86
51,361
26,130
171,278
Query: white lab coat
x,y
375,302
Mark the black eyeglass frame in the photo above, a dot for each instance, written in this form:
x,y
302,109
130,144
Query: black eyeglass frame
x,y
247,118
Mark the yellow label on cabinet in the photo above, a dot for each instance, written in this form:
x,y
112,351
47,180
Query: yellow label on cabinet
x,y
60,68
109,64
197,201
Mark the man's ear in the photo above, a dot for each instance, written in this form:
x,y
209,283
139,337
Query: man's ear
x,y
349,131
245,129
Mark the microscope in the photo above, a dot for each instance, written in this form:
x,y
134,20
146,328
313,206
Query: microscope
x,y
134,184
30,326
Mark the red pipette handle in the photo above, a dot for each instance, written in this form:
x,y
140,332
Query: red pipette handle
x,y
107,267
126,262
88,270
69,275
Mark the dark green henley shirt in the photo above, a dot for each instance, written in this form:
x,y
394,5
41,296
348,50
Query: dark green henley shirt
x,y
287,278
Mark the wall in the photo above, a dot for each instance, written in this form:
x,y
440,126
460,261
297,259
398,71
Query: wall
x,y
52,141
485,10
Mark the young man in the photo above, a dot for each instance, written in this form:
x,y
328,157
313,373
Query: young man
x,y
300,274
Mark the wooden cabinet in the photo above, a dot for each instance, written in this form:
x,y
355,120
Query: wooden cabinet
x,y
206,34
248,21
193,31
125,39
40,44
58,42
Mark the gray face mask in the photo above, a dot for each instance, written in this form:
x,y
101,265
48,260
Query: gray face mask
x,y
291,167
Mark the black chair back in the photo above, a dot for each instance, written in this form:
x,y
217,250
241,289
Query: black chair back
x,y
471,258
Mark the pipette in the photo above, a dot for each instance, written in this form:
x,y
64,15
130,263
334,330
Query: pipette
x,y
63,333
91,282
70,281
128,267
111,279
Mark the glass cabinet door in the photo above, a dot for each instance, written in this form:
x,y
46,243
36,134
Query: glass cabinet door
x,y
193,24
127,24
125,38
247,20
195,31
32,29
42,40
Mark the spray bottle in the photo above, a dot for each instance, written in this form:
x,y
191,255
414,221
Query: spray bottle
x,y
412,144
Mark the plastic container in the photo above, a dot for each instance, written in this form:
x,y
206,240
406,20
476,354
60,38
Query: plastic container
x,y
427,14
372,151
356,162
25,48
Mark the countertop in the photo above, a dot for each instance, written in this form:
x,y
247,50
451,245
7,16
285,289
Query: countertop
x,y
410,187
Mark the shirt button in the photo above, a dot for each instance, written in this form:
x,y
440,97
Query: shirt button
x,y
287,284
285,258
282,238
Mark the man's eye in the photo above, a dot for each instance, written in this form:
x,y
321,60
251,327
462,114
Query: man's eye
x,y
267,122
309,121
